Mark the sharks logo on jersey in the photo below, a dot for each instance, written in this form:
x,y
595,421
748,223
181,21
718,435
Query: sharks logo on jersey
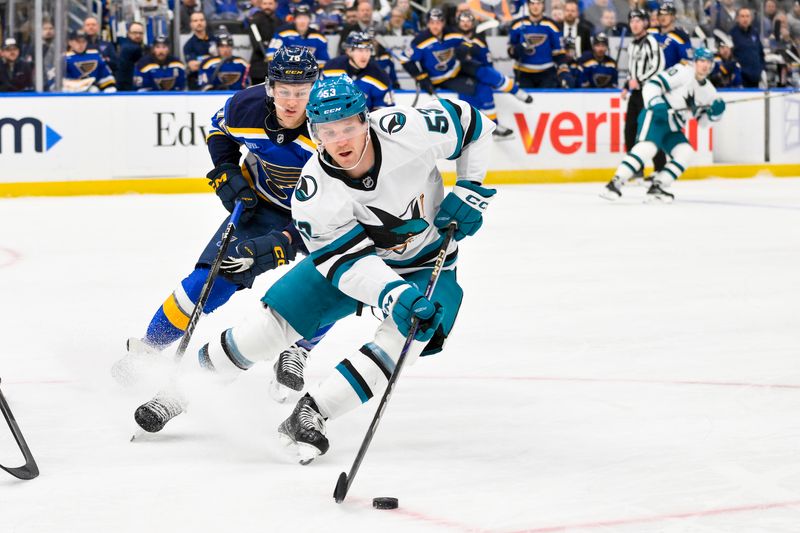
x,y
392,123
306,188
394,233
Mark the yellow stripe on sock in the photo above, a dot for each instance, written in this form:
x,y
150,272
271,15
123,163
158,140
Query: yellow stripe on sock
x,y
174,314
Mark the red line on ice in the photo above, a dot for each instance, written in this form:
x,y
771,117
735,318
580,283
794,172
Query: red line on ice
x,y
616,380
8,257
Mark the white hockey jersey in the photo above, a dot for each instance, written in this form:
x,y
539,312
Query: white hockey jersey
x,y
363,233
681,91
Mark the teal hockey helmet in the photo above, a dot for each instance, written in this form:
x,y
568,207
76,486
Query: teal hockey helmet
x,y
704,54
335,98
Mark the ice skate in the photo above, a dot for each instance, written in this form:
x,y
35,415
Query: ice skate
x,y
141,361
502,133
657,194
612,191
523,97
304,431
154,415
288,373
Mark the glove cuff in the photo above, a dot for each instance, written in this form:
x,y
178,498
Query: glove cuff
x,y
391,294
474,195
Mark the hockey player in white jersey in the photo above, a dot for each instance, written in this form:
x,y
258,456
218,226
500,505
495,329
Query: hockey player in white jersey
x,y
371,209
670,98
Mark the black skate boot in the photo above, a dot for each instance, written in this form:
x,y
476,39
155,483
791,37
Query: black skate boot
x,y
613,190
657,194
523,97
288,373
304,431
502,133
154,415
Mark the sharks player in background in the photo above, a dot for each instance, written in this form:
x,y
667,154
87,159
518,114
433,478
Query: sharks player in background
x,y
371,208
270,120
159,70
671,98
358,63
225,72
438,58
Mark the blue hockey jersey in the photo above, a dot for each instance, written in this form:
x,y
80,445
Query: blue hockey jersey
x,y
598,74
726,74
478,49
289,36
677,47
372,81
248,118
535,45
152,75
88,65
384,61
434,57
219,74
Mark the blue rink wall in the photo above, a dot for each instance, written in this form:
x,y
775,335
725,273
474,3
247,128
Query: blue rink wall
x,y
60,144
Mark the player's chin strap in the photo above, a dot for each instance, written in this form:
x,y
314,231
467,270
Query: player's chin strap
x,y
321,148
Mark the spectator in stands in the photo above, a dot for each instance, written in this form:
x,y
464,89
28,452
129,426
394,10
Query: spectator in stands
x,y
300,33
328,17
747,48
396,25
221,10
412,18
262,29
159,70
197,49
557,13
28,53
364,23
491,10
225,72
576,28
188,8
767,25
609,24
598,69
793,19
107,50
85,69
130,52
15,74
721,14
594,13
286,9
727,72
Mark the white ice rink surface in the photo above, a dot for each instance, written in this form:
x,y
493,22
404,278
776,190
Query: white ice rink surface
x,y
615,367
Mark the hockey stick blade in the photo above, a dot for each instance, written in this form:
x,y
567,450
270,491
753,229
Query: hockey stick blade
x,y
29,470
345,480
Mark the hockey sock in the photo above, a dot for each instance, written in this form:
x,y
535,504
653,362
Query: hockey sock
x,y
172,318
680,157
634,161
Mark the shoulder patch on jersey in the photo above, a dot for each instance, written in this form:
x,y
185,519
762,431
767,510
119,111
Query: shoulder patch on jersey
x,y
393,122
306,188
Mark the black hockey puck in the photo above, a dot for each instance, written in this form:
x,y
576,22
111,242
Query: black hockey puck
x,y
385,502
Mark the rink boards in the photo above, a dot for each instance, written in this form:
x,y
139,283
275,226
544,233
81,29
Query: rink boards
x,y
154,143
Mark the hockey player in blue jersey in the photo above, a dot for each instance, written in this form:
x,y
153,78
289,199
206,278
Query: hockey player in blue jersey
x,y
727,73
225,72
674,41
270,120
439,58
371,209
534,42
358,63
85,70
598,69
569,72
159,70
300,33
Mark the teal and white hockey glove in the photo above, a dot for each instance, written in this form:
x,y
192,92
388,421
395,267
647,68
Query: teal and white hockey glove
x,y
464,205
716,109
404,302
229,184
255,256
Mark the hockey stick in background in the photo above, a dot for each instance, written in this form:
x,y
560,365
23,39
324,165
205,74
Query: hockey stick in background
x,y
345,479
227,235
750,99
29,470
622,35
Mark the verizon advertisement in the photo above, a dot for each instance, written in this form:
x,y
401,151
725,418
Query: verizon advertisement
x,y
107,137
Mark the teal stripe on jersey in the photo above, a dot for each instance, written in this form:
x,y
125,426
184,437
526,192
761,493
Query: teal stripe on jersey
x,y
457,124
335,245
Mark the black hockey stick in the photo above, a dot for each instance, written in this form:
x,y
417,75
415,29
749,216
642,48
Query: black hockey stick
x,y
765,96
345,480
29,470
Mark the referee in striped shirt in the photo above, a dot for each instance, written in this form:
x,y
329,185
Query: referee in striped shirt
x,y
645,60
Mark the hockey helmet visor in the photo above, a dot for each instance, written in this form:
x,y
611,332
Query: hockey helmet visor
x,y
333,100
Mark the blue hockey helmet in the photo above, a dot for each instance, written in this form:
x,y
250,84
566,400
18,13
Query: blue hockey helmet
x,y
335,98
703,53
293,64
358,39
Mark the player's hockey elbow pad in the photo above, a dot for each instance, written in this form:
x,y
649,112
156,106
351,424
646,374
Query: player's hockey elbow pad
x,y
229,184
464,205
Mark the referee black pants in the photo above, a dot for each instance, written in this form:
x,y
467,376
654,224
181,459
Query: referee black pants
x,y
635,106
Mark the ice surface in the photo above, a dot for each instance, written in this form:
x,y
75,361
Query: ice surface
x,y
615,367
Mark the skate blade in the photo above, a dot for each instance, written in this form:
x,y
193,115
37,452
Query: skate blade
x,y
610,196
505,138
653,199
279,393
300,451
